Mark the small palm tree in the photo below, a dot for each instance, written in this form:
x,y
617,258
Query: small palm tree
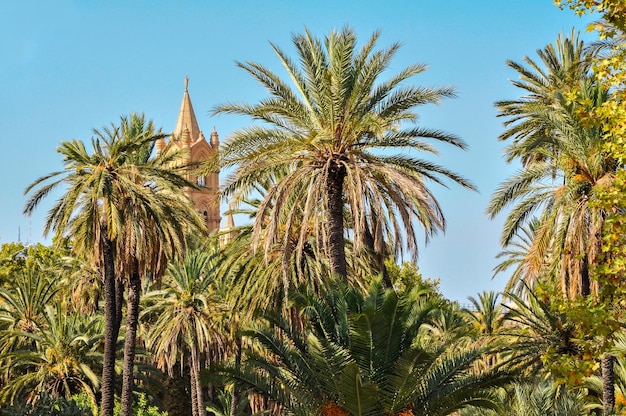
x,y
535,329
183,318
541,398
61,358
487,313
520,254
323,132
361,354
22,305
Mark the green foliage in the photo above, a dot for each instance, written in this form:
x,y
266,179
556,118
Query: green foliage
x,y
613,11
16,257
407,275
365,353
45,405
536,399
141,407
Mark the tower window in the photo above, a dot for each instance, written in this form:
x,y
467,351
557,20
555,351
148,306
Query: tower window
x,y
206,216
201,181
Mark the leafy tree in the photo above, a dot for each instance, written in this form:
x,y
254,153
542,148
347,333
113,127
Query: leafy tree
x,y
323,132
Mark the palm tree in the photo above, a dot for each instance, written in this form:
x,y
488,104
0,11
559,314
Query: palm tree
x,y
487,313
157,218
537,399
362,354
563,163
124,213
323,132
60,359
536,332
22,305
185,314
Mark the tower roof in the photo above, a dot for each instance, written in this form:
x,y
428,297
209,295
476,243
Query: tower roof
x,y
187,117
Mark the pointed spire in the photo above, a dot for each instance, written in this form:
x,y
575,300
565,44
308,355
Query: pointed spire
x,y
230,221
160,145
215,139
229,231
187,117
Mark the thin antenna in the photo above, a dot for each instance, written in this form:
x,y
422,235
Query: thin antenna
x,y
19,235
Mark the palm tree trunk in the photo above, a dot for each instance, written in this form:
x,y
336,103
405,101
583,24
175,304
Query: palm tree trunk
x,y
110,333
379,258
195,363
132,321
608,385
336,240
234,400
193,379
119,302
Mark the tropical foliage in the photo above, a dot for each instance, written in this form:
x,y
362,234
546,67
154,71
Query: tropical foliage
x,y
308,310
364,354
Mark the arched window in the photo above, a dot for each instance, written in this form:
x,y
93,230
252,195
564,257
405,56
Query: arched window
x,y
201,181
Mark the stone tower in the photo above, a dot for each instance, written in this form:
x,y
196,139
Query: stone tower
x,y
189,138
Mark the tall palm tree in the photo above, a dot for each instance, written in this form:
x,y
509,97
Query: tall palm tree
x,y
323,131
157,218
125,211
563,161
565,165
183,318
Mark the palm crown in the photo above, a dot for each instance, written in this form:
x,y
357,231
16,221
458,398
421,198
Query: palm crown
x,y
323,131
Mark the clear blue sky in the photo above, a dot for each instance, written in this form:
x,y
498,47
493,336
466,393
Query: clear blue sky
x,y
67,67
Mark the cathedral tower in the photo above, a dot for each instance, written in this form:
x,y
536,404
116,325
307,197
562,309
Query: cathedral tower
x,y
189,138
